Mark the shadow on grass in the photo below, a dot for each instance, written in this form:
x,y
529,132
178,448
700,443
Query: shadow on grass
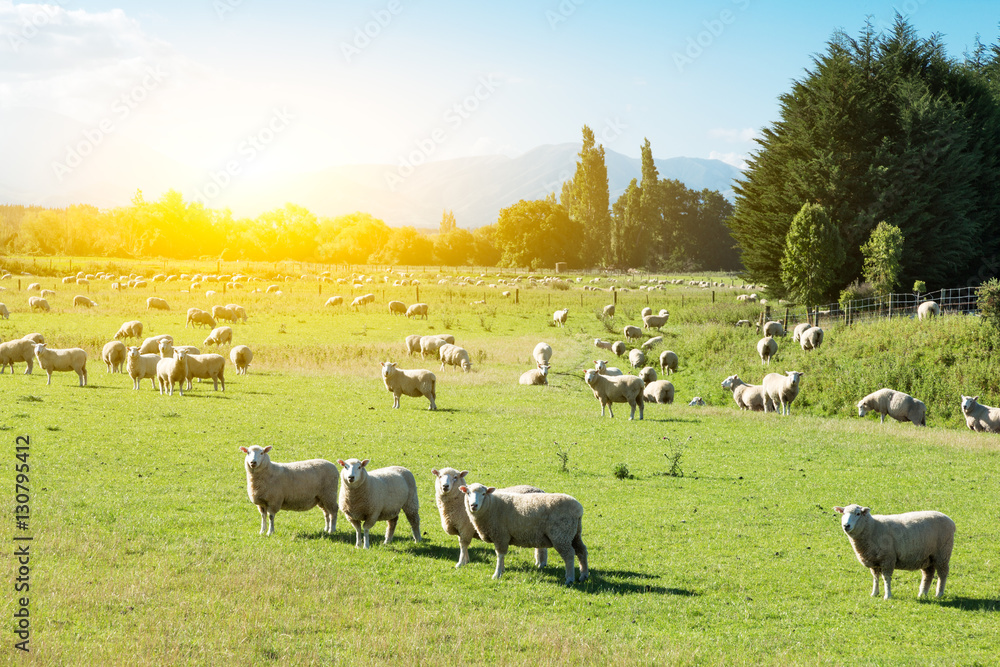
x,y
338,536
971,604
628,583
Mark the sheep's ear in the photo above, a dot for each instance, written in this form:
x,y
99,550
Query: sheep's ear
x,y
838,510
975,398
365,462
267,449
436,472
244,450
463,473
864,510
341,462
490,490
463,489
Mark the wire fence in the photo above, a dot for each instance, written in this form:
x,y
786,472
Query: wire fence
x,y
954,300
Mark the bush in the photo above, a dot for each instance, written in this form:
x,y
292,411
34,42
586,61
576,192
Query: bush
x,y
989,303
855,291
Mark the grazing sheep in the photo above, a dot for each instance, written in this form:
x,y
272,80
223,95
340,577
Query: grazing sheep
x,y
4,313
911,541
411,383
608,390
782,390
69,359
800,329
901,407
668,362
453,355
609,310
417,310
239,311
767,347
34,287
811,339
413,344
618,348
559,317
542,353
38,303
206,367
220,336
658,391
448,338
978,417
602,367
652,342
697,401
156,303
298,486
927,310
645,311
743,323
141,366
397,308
81,300
648,374
113,355
152,344
654,321
748,396
430,345
46,293
241,356
197,317
34,337
538,375
171,370
603,344
772,329
533,520
378,495
130,329
632,333
334,301
220,313
17,350
637,358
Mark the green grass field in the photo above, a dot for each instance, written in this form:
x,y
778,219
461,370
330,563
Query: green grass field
x,y
146,548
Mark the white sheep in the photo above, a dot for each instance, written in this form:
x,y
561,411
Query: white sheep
x,y
697,401
637,358
141,366
205,367
811,338
743,323
397,308
927,310
535,376
608,390
113,356
297,486
632,333
239,311
377,495
772,328
652,342
172,370
166,348
645,311
782,390
130,329
417,310
654,321
533,520
220,336
69,359
413,344
668,361
648,374
898,405
767,347
453,355
334,301
152,344
4,313
748,396
603,344
542,354
800,329
197,317
34,337
224,313
658,391
911,541
979,417
559,317
17,350
619,348
431,345
81,300
602,367
411,383
34,287
241,356
609,310
156,303
448,338
38,303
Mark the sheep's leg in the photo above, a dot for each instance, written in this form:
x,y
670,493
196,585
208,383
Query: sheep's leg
x,y
270,520
463,551
567,553
875,575
414,518
498,572
368,530
887,580
631,415
541,558
263,519
942,573
50,377
31,365
581,552
358,541
641,403
881,418
390,529
611,409
927,574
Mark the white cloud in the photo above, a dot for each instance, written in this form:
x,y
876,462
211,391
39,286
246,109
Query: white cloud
x,y
732,135
738,160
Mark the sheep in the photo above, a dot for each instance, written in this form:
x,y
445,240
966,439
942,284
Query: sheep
x,y
34,287
901,407
911,541
559,317
654,321
658,391
978,417
538,375
206,367
800,329
668,362
152,344
69,359
413,383
637,358
697,401
17,350
448,338
772,329
927,310
198,317
220,336
767,347
166,348
241,356
298,486
334,301
652,342
130,329
602,367
533,520
645,311
156,303
171,370
632,332
743,323
34,337
413,344
782,390
603,344
618,348
430,345
811,339
417,310
239,311
81,300
141,366
378,495
648,374
4,313
542,353
397,308
748,396
609,310
113,356
608,390
220,313
454,355
38,303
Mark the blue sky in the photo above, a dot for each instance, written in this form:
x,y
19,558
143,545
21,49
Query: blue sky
x,y
432,79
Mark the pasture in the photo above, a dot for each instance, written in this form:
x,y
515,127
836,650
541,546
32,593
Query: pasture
x,y
146,549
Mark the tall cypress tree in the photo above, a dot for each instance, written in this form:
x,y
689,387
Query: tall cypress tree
x,y
586,199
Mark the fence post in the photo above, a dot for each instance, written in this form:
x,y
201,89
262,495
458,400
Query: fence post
x,y
890,305
713,296
817,316
517,295
785,323
418,293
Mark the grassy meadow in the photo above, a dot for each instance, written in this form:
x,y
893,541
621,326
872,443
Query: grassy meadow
x,y
146,548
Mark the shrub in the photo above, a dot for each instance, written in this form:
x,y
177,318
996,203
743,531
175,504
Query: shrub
x,y
856,291
989,303
620,471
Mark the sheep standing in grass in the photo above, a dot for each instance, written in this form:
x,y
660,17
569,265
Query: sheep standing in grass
x,y
772,328
206,367
431,345
224,313
239,311
152,344
4,313
167,348
911,541
602,367
782,390
619,348
533,520
397,308
637,358
453,355
542,354
927,310
559,317
198,317
130,329
609,310
38,303
901,407
334,301
767,347
156,303
34,337
298,486
172,370
411,383
113,355
800,329
648,374
70,359
654,321
413,344
603,344
748,396
658,391
632,333
535,376
378,495
241,356
652,342
811,338
608,390
668,362
141,366
979,417
417,310
17,350
80,300
220,336
645,311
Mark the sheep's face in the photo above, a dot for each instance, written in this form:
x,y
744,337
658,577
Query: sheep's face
x,y
590,376
256,456
449,479
353,472
466,365
600,365
388,368
475,496
968,402
544,368
728,382
851,516
133,352
697,400
39,348
862,409
794,378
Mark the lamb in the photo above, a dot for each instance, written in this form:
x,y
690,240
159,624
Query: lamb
x,y
241,356
542,353
632,333
668,362
413,344
978,417
152,344
811,339
533,520
782,390
141,366
130,329
334,301
602,367
298,486
535,376
559,317
454,355
4,313
654,321
397,308
658,391
412,383
800,329
69,359
772,329
81,300
430,345
171,370
379,495
113,355
220,336
748,396
17,350
637,358
603,344
618,348
238,310
224,313
609,310
901,407
767,347
38,303
417,310
652,342
911,541
156,303
197,317
454,517
927,310
608,390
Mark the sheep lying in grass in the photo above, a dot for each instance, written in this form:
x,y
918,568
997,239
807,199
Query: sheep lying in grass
x,y
533,520
602,367
811,338
603,344
911,541
748,396
608,390
542,354
979,417
559,317
743,323
417,310
767,347
632,333
152,344
241,356
411,383
453,355
901,407
298,486
130,329
69,359
800,329
220,336
113,355
199,317
668,362
141,366
637,358
14,351
697,401
377,495
156,303
397,308
927,310
81,300
172,370
38,303
455,518
782,390
535,376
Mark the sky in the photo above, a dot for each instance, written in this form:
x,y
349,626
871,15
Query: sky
x,y
303,85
